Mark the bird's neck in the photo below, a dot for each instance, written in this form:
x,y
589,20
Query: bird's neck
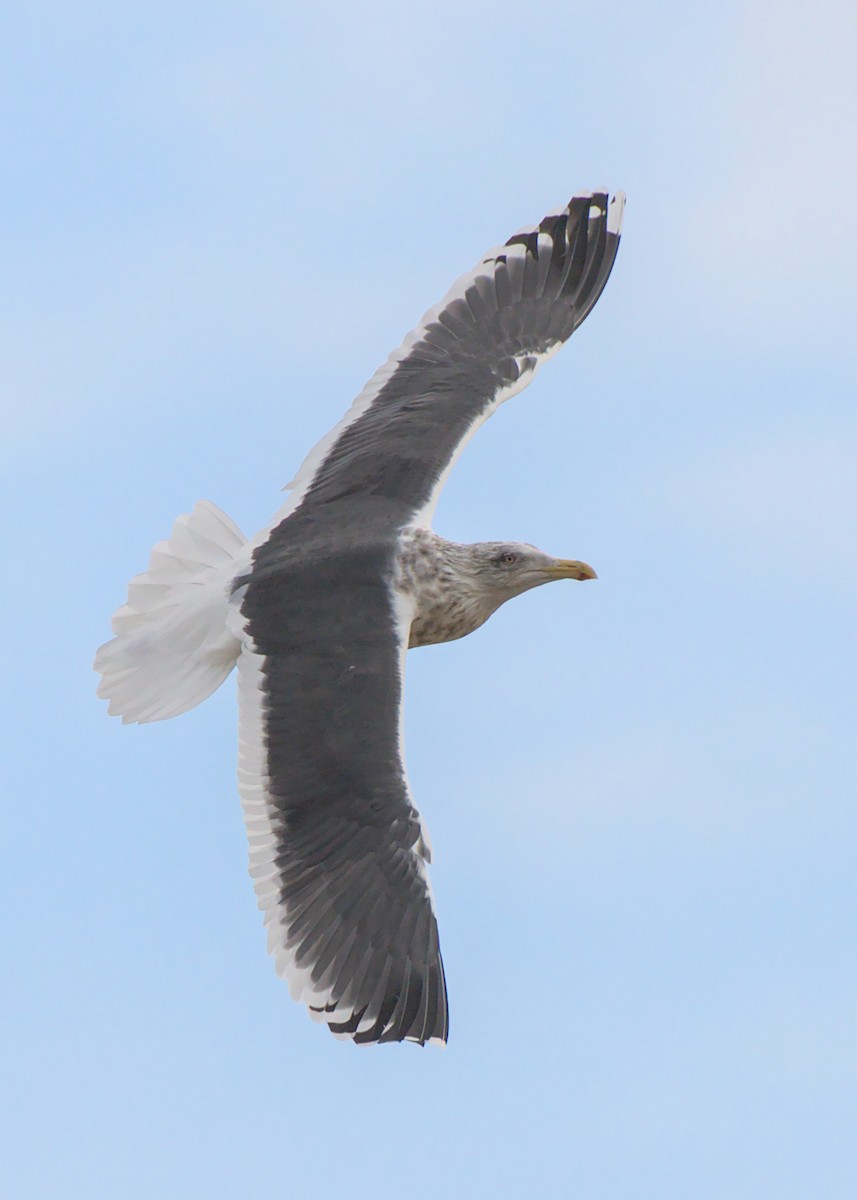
x,y
447,599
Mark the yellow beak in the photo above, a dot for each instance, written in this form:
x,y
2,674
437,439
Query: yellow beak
x,y
570,568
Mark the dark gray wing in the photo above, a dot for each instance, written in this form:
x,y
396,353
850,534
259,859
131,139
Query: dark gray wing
x,y
337,850
476,348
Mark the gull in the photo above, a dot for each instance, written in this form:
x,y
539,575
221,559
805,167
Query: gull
x,y
319,609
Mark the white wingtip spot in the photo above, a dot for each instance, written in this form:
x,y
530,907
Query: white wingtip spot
x,y
615,210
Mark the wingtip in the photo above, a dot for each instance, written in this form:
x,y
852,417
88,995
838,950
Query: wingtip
x,y
615,212
615,206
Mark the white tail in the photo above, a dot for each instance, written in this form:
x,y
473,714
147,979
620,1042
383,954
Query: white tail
x,y
172,647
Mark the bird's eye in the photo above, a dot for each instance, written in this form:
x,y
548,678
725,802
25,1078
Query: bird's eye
x,y
508,558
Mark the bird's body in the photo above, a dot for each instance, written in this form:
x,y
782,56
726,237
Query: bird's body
x,y
319,610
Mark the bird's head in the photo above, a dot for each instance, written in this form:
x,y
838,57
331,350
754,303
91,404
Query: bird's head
x,y
510,568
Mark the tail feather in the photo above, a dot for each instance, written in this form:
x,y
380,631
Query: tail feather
x,y
173,647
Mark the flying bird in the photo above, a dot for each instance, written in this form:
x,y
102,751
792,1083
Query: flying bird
x,y
319,609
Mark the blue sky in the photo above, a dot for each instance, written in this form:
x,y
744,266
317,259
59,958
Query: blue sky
x,y
218,219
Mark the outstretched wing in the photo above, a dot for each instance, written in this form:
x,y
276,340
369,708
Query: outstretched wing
x,y
469,353
337,850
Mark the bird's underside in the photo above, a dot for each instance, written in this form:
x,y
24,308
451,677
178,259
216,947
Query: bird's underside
x,y
318,612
